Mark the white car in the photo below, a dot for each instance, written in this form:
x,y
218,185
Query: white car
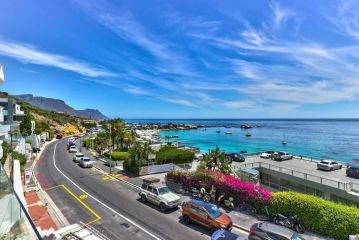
x,y
86,162
159,195
73,149
329,165
77,157
267,154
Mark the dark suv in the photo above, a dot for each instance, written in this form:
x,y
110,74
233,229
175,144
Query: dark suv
x,y
269,231
353,171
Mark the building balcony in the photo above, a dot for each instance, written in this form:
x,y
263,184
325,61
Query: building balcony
x,y
16,222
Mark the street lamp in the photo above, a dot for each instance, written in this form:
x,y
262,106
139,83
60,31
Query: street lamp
x,y
110,150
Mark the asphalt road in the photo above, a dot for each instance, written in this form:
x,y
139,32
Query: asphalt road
x,y
112,207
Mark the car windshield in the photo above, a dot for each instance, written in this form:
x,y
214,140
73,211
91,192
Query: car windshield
x,y
86,159
163,190
297,237
79,155
213,210
324,162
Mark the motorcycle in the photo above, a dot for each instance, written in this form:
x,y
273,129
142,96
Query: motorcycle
x,y
228,203
200,195
292,222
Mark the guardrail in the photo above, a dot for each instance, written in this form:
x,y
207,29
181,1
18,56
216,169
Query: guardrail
x,y
346,186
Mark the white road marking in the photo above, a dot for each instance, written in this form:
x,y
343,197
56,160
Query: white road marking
x,y
103,204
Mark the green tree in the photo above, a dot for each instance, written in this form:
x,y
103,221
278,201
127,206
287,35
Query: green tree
x,y
101,142
215,159
25,125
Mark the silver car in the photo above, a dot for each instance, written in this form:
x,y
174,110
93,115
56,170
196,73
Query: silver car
x,y
329,165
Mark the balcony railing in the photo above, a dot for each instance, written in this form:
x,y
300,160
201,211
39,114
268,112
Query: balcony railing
x,y
15,222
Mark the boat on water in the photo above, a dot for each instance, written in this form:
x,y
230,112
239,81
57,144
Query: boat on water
x,y
228,133
248,134
284,142
218,131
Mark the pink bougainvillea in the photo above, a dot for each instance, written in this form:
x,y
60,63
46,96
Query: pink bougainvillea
x,y
225,184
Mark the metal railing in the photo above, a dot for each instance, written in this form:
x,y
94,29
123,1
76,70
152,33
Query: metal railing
x,y
15,221
346,186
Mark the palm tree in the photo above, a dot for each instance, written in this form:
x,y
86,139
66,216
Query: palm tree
x,y
215,159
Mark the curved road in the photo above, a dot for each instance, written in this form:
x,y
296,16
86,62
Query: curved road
x,y
112,207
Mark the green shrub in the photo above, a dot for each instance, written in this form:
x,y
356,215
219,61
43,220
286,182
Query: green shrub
x,y
169,154
5,149
318,215
21,157
131,166
120,156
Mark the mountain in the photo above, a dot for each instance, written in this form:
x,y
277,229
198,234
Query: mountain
x,y
92,113
57,105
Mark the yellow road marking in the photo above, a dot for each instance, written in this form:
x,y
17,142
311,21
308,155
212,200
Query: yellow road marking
x,y
105,178
97,217
83,196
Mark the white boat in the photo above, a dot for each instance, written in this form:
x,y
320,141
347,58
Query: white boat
x,y
228,132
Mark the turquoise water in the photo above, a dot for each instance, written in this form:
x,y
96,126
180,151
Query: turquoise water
x,y
329,139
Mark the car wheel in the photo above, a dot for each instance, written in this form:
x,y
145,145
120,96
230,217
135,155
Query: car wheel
x,y
186,220
212,229
143,198
332,168
340,167
163,207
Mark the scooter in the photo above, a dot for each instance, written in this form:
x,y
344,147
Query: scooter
x,y
201,194
228,203
292,222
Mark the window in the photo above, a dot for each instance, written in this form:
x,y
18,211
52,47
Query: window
x,y
149,188
144,186
202,213
194,209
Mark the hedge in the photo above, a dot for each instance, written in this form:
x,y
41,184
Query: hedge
x,y
169,154
120,156
21,157
131,166
318,215
5,148
227,184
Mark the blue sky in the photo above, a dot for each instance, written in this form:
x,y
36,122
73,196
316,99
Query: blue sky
x,y
186,59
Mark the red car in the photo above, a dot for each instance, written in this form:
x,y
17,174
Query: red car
x,y
205,214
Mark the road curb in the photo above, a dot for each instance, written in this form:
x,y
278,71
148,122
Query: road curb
x,y
53,210
241,228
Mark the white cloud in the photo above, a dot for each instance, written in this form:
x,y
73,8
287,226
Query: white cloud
x,y
347,18
136,90
279,14
239,104
29,54
179,101
254,37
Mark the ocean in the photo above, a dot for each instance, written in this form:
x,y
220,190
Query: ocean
x,y
336,139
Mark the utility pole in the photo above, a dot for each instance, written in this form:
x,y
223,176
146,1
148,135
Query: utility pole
x,y
110,151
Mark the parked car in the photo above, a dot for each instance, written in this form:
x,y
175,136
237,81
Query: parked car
x,y
235,157
353,171
205,214
86,162
159,194
77,157
267,154
73,149
282,156
222,234
269,231
329,165
69,144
